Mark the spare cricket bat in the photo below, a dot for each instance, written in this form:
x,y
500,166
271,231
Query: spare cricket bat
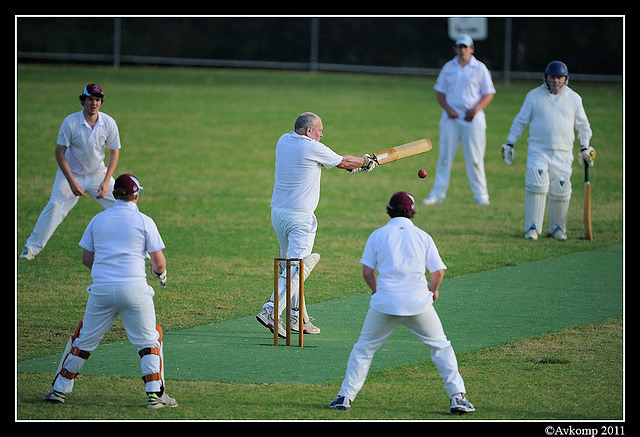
x,y
403,151
588,232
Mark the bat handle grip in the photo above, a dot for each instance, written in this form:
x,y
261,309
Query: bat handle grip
x,y
586,172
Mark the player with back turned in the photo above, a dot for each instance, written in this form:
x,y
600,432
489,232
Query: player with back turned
x,y
401,295
114,245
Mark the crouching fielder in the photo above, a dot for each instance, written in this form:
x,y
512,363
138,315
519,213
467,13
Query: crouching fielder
x,y
114,246
402,253
552,111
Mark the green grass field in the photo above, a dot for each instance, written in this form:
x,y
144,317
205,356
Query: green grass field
x,y
202,143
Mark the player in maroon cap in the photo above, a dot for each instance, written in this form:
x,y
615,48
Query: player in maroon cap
x,y
402,253
114,245
82,141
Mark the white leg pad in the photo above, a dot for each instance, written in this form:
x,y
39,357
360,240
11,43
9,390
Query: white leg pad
x,y
152,365
537,187
559,198
309,264
70,364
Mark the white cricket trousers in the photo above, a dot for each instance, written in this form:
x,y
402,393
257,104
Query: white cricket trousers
x,y
296,232
474,144
134,303
62,200
377,327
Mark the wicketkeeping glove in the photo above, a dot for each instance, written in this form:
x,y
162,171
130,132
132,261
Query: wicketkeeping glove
x,y
162,277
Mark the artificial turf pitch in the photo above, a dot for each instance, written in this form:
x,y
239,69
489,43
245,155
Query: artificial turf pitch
x,y
477,311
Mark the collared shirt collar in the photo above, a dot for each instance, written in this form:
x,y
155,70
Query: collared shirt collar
x,y
401,221
125,204
471,62
86,123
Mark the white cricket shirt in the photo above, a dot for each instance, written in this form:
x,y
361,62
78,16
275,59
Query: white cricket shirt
x,y
464,87
299,161
401,253
120,238
552,120
86,146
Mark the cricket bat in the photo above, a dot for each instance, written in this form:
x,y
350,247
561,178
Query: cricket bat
x,y
588,232
403,151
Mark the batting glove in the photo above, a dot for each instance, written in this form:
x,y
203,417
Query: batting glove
x,y
369,164
587,154
507,153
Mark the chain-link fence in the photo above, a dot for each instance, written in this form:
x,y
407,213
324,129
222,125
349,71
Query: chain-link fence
x,y
518,47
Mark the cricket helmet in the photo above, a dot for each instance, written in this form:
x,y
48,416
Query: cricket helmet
x,y
556,68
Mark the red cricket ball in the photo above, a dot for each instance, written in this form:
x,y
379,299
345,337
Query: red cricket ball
x,y
422,173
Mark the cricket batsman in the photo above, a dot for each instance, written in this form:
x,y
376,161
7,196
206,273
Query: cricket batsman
x,y
552,111
300,157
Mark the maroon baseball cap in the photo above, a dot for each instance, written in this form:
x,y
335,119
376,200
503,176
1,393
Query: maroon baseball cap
x,y
402,202
93,89
127,184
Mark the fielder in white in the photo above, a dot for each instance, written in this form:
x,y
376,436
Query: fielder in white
x,y
114,246
300,157
463,89
552,111
80,153
402,253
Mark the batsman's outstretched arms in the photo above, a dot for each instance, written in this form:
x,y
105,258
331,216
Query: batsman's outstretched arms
x,y
435,278
357,164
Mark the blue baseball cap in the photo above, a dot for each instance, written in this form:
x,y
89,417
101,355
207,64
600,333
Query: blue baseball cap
x,y
464,40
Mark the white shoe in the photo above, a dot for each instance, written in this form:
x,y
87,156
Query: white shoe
x,y
559,234
340,403
27,254
532,233
432,200
265,317
461,405
55,396
309,328
155,401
